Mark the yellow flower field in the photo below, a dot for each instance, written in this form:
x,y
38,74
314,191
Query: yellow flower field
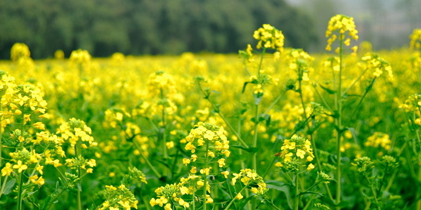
x,y
269,128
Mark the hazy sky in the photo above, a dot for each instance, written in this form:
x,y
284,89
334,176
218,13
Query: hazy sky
x,y
385,23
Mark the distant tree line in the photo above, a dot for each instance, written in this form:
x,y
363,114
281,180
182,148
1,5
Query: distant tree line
x,y
145,26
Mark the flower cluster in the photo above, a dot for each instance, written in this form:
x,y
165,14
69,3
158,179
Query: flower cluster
x,y
118,198
75,131
18,51
28,96
377,64
59,54
175,194
299,61
333,63
363,164
137,176
80,57
269,37
415,37
20,162
379,139
250,178
161,84
295,153
412,104
114,116
82,163
209,142
341,24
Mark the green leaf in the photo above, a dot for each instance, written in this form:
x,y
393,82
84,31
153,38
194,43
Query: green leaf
x,y
328,90
280,186
244,87
250,149
9,186
313,193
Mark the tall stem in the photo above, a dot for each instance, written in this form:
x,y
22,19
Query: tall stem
x,y
206,178
300,91
256,127
297,193
319,165
233,199
163,127
20,191
338,121
79,184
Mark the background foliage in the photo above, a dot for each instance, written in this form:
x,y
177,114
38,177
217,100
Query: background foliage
x,y
146,26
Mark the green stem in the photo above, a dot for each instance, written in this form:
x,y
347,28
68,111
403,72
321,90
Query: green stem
x,y
319,166
355,81
301,98
146,203
194,200
274,102
3,186
271,203
297,193
338,121
395,173
309,202
207,97
353,115
322,98
256,127
374,194
20,191
269,167
233,199
261,61
418,194
157,174
163,127
79,184
205,176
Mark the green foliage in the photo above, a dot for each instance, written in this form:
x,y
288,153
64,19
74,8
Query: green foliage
x,y
145,26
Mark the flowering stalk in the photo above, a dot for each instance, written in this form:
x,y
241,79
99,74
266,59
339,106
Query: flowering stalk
x,y
337,28
338,122
163,127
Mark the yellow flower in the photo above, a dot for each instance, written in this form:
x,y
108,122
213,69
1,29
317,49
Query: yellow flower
x,y
7,170
225,173
34,179
170,144
167,206
239,196
186,161
310,167
21,167
300,153
152,202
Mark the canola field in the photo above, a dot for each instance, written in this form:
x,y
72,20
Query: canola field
x,y
269,128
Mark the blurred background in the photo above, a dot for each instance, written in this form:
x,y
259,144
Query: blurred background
x,y
174,26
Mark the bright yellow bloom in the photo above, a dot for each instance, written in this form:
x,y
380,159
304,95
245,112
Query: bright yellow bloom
x,y
7,170
21,167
